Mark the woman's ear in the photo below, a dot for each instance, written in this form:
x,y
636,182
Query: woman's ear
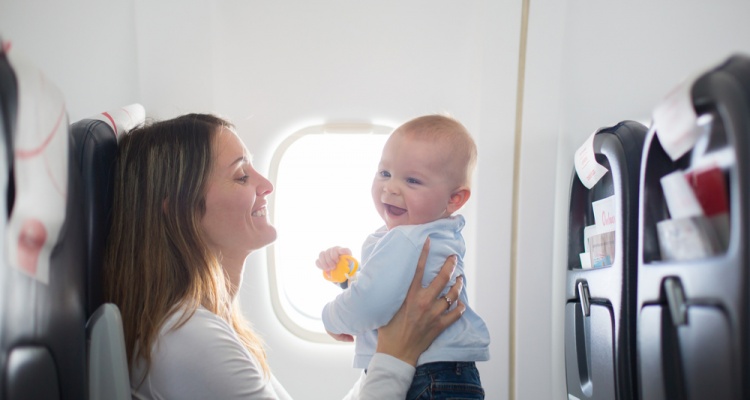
x,y
458,198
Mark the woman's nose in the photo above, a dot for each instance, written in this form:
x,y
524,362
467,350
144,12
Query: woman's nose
x,y
264,186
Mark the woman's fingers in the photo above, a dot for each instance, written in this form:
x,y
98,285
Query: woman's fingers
x,y
438,284
423,315
454,314
416,282
446,309
455,291
443,277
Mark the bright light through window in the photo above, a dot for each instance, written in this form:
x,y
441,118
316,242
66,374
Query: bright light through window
x,y
322,178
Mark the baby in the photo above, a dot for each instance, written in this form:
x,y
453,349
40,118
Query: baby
x,y
423,179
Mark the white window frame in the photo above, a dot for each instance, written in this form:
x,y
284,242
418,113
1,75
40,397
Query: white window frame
x,y
283,310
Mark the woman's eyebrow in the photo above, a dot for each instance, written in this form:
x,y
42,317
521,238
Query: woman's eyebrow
x,y
242,159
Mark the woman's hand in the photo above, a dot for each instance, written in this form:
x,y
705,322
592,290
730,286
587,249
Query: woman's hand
x,y
423,315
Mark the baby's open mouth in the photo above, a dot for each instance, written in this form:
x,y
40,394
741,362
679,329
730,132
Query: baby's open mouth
x,y
393,210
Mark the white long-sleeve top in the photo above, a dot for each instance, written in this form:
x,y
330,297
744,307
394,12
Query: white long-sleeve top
x,y
204,359
389,260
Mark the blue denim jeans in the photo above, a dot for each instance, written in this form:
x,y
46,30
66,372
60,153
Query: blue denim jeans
x,y
446,380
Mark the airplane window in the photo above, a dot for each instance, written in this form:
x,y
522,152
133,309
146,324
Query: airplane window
x,y
322,177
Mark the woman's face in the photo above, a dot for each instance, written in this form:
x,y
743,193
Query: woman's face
x,y
235,222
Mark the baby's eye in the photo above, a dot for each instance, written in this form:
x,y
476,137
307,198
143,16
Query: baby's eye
x,y
385,174
413,181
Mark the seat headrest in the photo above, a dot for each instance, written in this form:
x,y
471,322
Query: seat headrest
x,y
95,148
123,119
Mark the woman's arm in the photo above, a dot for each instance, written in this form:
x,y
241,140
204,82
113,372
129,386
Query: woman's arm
x,y
421,318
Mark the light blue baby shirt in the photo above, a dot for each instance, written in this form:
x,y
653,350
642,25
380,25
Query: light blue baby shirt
x,y
389,259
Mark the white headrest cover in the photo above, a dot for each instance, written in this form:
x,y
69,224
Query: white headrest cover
x,y
123,119
40,148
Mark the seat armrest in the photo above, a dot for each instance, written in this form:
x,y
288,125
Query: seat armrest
x,y
108,375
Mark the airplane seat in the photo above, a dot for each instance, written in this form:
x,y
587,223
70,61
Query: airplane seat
x,y
108,375
42,292
95,148
8,102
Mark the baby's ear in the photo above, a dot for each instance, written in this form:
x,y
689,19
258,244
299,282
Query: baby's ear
x,y
458,198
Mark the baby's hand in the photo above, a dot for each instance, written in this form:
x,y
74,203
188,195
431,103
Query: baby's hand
x,y
328,259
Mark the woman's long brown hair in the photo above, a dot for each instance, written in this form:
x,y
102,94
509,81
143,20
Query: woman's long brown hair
x,y
157,262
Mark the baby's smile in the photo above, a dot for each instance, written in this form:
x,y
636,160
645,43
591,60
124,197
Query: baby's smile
x,y
393,210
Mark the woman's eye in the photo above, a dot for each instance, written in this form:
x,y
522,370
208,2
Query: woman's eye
x,y
243,179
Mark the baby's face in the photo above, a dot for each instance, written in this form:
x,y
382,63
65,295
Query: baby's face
x,y
413,184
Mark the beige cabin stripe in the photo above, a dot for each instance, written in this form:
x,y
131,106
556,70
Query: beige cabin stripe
x,y
516,183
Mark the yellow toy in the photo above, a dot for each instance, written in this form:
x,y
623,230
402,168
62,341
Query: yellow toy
x,y
345,270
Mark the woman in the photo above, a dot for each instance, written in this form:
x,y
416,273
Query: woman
x,y
188,209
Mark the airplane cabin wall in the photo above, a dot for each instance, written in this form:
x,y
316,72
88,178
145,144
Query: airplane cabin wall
x,y
274,67
591,65
85,47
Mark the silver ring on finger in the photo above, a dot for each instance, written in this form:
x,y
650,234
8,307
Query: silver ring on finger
x,y
448,300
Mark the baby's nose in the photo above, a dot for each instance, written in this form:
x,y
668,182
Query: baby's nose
x,y
390,188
